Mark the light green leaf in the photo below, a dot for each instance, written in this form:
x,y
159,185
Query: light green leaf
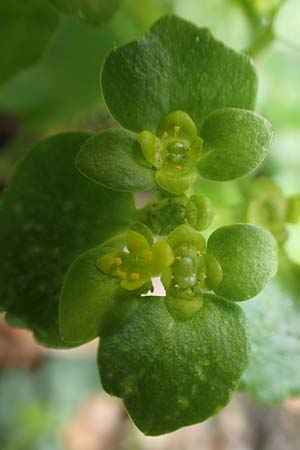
x,y
248,257
235,142
274,317
92,11
25,30
114,159
92,303
287,23
176,66
50,214
173,373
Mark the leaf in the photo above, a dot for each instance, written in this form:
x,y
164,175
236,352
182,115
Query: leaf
x,y
114,159
287,22
173,373
50,214
176,66
235,142
248,257
92,303
92,11
26,28
274,317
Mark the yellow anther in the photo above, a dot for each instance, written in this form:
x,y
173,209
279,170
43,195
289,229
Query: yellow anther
x,y
118,261
185,249
136,245
178,167
160,161
149,256
178,258
123,275
190,292
177,128
198,253
165,135
177,287
135,276
188,149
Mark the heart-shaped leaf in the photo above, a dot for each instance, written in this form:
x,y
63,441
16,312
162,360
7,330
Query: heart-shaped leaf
x,y
114,159
172,373
235,142
248,257
176,66
50,214
26,27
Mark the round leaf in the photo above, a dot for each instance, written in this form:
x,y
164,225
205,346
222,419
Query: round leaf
x,y
50,214
235,142
248,258
25,30
176,66
173,373
91,303
114,159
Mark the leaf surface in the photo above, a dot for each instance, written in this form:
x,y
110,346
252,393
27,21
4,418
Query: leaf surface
x,y
114,159
235,142
175,66
173,373
248,257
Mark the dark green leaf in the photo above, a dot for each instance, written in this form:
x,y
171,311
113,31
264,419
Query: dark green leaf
x,y
248,257
173,373
176,66
235,141
92,11
92,303
50,214
114,159
25,29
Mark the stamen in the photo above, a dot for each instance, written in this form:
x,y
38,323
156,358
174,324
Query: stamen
x,y
118,261
177,287
178,167
135,276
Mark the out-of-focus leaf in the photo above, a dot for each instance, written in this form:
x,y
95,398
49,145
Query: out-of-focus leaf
x,y
274,317
49,215
25,30
92,11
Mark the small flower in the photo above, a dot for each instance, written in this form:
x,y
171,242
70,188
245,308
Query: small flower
x,y
174,152
136,266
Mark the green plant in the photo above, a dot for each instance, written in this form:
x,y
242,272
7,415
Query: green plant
x,y
78,258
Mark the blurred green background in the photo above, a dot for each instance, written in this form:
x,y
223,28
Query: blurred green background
x,y
52,400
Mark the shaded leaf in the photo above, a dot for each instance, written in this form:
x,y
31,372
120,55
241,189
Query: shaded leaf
x,y
50,214
92,11
26,28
